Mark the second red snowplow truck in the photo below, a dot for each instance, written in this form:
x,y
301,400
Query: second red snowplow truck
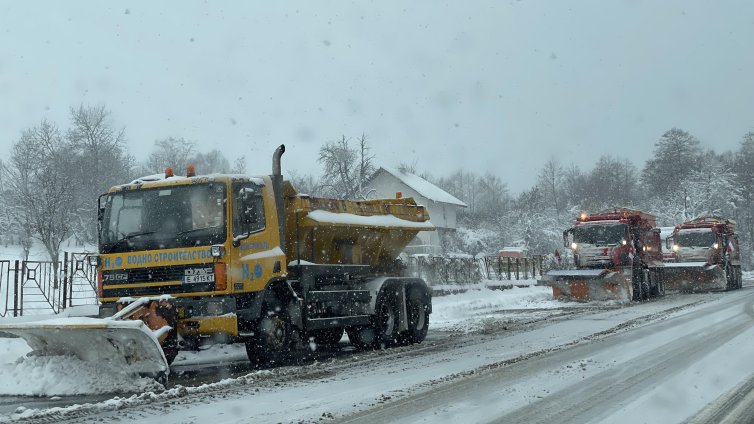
x,y
705,256
617,254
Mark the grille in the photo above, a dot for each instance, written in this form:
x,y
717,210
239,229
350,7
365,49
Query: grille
x,y
153,275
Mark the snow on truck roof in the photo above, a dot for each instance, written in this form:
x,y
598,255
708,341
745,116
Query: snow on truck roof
x,y
422,186
391,221
157,180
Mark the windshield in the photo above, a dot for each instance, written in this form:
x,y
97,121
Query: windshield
x,y
600,235
695,239
161,218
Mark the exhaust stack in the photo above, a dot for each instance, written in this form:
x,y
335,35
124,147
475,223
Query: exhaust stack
x,y
277,189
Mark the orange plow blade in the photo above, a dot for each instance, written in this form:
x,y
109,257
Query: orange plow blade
x,y
694,277
589,285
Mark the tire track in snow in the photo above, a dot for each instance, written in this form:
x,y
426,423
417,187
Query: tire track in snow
x,y
454,389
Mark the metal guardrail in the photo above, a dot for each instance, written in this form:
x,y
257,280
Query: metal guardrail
x,y
500,268
458,270
37,287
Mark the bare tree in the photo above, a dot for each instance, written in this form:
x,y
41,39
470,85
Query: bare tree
x,y
239,165
212,162
99,152
305,183
550,180
345,168
366,167
40,187
170,152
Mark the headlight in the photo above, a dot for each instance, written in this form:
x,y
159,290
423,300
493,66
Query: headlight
x,y
93,260
574,245
106,311
676,248
716,245
624,242
218,250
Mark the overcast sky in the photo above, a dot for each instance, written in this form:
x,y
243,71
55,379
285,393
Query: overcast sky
x,y
484,86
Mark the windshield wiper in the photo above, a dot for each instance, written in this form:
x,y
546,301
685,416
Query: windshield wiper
x,y
180,233
129,237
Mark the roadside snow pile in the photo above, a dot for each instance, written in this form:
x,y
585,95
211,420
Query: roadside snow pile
x,y
60,375
67,375
470,309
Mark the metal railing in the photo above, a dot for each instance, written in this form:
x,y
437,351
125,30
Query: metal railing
x,y
39,287
500,268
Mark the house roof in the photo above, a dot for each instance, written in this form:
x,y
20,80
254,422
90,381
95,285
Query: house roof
x,y
421,186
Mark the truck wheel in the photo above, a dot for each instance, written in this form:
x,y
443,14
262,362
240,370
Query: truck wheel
x,y
271,343
636,280
729,278
326,337
386,321
382,332
740,277
417,304
362,337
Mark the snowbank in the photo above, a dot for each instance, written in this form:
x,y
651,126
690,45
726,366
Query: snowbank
x,y
57,376
469,310
63,375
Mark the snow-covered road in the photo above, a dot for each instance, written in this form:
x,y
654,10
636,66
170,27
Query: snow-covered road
x,y
524,360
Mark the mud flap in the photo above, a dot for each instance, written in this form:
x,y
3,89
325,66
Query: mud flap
x,y
129,344
694,277
589,285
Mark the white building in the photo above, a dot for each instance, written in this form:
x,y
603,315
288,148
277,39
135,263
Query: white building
x,y
442,206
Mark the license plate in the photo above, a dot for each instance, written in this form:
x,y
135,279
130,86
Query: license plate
x,y
201,278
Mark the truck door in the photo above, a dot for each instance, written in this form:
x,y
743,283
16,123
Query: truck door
x,y
251,238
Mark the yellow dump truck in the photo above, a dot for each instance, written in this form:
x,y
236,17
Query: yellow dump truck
x,y
245,259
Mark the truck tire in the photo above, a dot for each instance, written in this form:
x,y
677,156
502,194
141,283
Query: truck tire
x,y
636,282
730,279
271,343
386,321
417,305
383,331
740,275
362,337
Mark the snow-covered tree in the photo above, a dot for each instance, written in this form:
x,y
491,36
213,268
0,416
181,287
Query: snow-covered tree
x,y
211,162
101,161
676,155
39,183
172,152
345,168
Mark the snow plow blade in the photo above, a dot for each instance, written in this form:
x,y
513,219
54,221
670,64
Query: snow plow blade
x,y
589,285
694,277
129,344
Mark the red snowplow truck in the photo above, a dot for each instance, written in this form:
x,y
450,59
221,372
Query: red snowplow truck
x,y
705,256
618,256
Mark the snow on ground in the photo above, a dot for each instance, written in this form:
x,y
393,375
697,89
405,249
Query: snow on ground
x,y
54,376
470,310
61,376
